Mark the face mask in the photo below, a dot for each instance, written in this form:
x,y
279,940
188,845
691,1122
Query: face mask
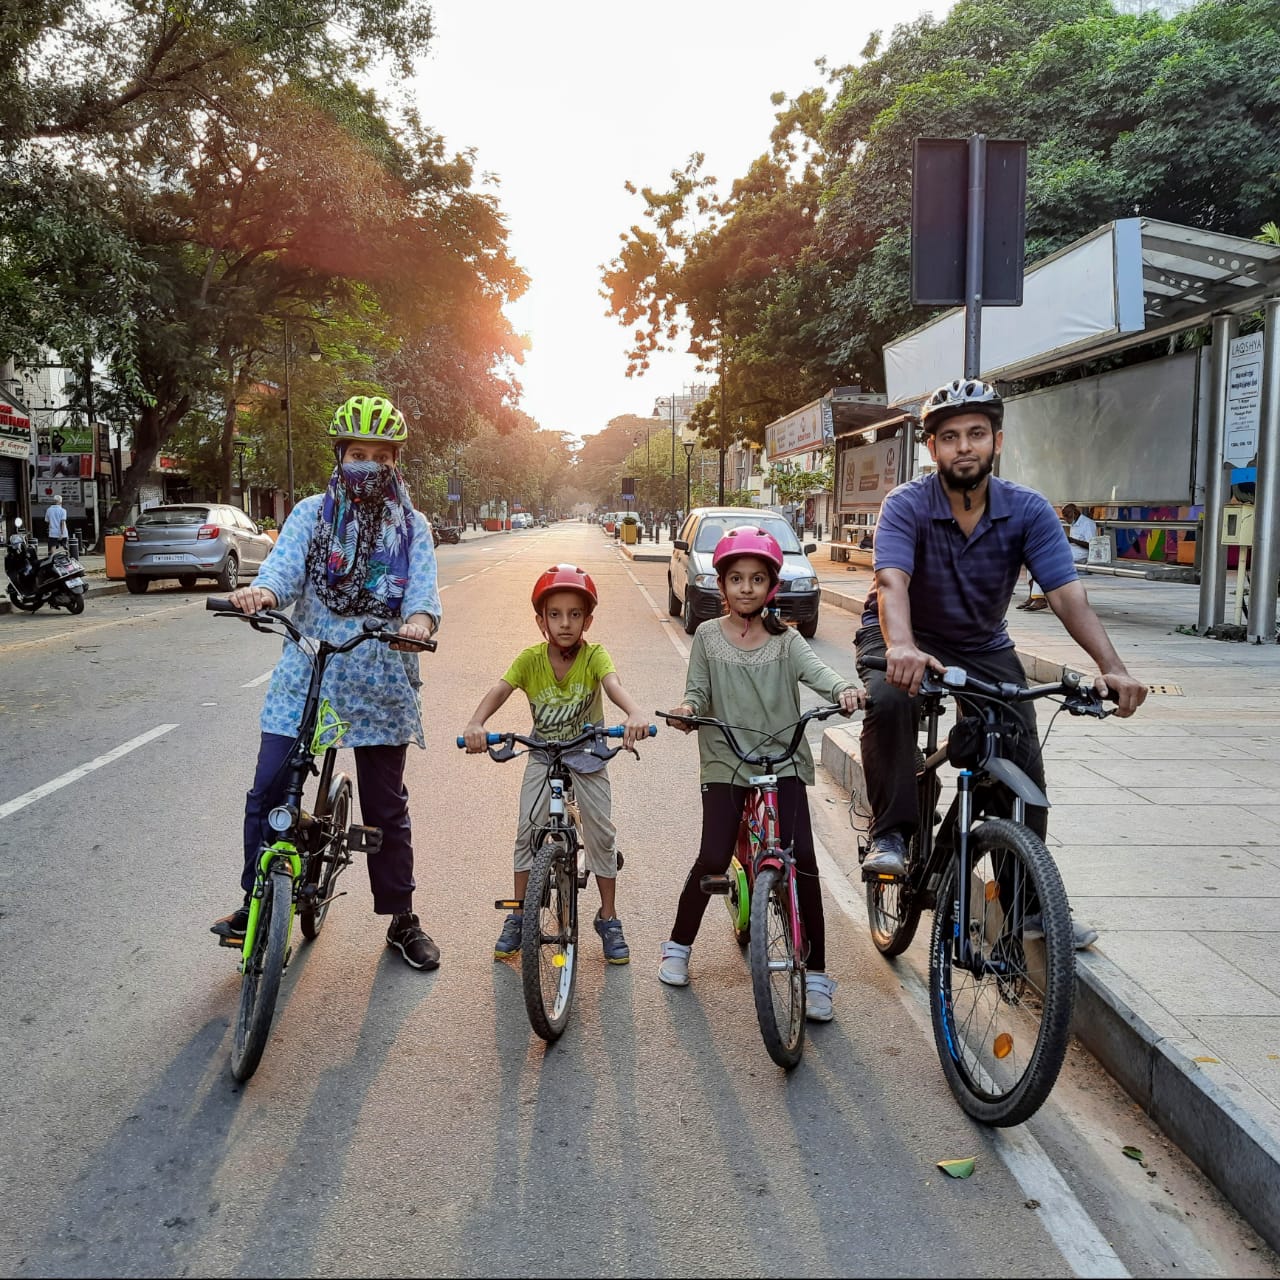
x,y
367,479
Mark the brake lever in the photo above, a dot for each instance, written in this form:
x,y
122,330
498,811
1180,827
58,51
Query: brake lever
x,y
506,752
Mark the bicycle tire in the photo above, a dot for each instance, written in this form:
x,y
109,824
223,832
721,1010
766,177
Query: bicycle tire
x,y
549,937
980,1024
324,874
893,909
779,992
261,982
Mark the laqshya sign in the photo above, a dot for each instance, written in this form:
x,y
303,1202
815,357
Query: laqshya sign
x,y
1244,400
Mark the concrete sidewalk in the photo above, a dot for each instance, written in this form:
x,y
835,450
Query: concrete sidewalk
x,y
1166,828
95,568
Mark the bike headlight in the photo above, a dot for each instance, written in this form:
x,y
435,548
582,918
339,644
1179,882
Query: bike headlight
x,y
280,819
708,580
801,584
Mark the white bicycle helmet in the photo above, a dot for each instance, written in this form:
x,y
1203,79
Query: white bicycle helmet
x,y
962,395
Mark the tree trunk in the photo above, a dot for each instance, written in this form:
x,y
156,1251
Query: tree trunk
x,y
149,435
238,384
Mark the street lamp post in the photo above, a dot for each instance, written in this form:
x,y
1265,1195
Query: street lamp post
x,y
314,353
688,459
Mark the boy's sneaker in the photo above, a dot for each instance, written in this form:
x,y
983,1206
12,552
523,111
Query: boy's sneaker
x,y
616,950
674,968
818,990
508,943
232,927
407,937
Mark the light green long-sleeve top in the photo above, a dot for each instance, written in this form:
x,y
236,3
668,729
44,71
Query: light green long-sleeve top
x,y
757,691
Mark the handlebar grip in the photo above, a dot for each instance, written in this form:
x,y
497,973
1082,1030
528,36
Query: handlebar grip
x,y
620,731
491,739
874,662
653,731
219,604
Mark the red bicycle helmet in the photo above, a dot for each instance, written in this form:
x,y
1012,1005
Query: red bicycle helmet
x,y
749,541
564,577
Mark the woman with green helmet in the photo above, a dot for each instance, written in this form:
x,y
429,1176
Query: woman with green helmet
x,y
357,551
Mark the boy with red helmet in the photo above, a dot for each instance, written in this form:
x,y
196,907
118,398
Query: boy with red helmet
x,y
746,670
563,678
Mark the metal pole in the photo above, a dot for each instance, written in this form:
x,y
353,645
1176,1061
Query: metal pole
x,y
722,423
288,420
1213,555
1266,520
688,480
673,466
973,254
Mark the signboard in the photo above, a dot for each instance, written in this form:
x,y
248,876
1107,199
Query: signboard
x,y
800,432
55,466
65,438
865,474
15,433
1244,400
71,492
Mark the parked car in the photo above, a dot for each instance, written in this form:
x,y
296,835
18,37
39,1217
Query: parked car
x,y
692,591
193,540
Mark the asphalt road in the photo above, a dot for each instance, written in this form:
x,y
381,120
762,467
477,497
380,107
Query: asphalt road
x,y
403,1123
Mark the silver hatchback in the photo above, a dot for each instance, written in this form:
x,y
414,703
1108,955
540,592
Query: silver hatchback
x,y
193,540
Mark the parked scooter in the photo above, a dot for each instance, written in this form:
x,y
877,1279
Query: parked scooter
x,y
57,580
446,533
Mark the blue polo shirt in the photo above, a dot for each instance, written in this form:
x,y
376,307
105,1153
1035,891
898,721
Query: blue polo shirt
x,y
961,587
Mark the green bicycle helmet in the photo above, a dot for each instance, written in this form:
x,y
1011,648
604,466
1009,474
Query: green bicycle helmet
x,y
369,418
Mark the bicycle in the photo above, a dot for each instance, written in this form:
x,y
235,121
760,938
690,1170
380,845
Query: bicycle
x,y
299,870
1000,1004
549,932
760,891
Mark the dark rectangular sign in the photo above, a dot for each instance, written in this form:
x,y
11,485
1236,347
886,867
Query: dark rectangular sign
x,y
939,222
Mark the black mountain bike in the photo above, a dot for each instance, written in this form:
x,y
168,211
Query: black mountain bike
x,y
549,936
1002,952
300,869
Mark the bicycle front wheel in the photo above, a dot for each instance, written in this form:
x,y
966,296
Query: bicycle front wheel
x,y
327,860
549,938
261,982
777,972
1002,1032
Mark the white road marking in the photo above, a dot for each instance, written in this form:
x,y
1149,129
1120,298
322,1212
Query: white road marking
x,y
38,793
257,680
668,631
465,576
1083,1246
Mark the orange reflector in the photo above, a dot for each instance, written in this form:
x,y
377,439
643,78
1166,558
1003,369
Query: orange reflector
x,y
1004,1045
992,890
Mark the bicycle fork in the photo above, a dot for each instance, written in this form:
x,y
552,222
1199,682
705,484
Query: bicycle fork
x,y
269,855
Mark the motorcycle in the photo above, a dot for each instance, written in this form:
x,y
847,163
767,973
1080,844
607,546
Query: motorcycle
x,y
446,533
56,580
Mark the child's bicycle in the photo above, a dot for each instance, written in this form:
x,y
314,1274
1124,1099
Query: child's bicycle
x,y
1002,951
760,890
549,935
299,871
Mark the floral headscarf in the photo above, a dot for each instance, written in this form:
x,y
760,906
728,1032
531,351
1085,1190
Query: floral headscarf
x,y
358,559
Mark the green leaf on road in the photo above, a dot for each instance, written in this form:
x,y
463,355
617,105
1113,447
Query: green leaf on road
x,y
1134,1153
957,1168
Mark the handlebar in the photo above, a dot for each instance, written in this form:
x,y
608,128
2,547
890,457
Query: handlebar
x,y
762,759
373,630
590,733
1081,699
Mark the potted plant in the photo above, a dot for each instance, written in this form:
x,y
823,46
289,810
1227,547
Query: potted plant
x,y
630,528
268,526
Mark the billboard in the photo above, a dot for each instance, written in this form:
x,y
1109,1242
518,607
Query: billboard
x,y
865,473
800,432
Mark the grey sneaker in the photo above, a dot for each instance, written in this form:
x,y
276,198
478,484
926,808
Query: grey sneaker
x,y
616,950
887,857
674,968
818,990
508,943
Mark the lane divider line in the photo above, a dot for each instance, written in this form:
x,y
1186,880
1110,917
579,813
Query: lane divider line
x,y
48,788
257,680
1061,1214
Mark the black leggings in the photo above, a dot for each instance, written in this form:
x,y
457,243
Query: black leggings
x,y
721,816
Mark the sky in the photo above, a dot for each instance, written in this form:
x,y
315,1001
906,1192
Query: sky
x,y
564,102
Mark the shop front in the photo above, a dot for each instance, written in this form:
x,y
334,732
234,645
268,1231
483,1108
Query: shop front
x,y
15,462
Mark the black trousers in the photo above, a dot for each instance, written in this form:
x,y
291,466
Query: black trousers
x,y
721,816
384,803
890,733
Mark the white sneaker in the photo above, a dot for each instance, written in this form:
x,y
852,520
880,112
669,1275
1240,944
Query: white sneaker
x,y
674,969
818,990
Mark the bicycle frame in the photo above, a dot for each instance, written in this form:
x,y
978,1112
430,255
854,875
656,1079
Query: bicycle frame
x,y
762,832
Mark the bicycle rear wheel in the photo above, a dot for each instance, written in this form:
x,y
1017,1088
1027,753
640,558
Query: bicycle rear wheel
x,y
777,973
1002,1037
261,982
327,860
549,938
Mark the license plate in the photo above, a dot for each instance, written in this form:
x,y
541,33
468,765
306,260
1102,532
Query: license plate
x,y
75,582
169,559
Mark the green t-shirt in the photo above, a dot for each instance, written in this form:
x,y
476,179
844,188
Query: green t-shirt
x,y
561,707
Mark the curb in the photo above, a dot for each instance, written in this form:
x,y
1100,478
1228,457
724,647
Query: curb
x,y
655,557
1198,1101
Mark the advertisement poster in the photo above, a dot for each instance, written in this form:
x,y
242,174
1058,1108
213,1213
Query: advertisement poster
x,y
866,473
1244,400
64,466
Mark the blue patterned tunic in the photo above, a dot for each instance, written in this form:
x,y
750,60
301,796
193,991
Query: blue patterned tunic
x,y
374,686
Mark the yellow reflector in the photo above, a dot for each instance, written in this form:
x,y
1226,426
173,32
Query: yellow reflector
x,y
1003,1045
993,890
558,961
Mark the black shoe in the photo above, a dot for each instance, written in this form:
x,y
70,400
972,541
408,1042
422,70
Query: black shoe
x,y
233,926
887,857
407,936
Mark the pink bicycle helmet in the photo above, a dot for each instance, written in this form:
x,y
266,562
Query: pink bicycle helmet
x,y
749,541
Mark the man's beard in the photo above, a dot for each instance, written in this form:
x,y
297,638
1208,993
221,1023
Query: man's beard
x,y
966,484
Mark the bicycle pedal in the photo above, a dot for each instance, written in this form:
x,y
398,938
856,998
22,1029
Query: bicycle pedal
x,y
878,877
714,884
509,904
364,839
236,944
